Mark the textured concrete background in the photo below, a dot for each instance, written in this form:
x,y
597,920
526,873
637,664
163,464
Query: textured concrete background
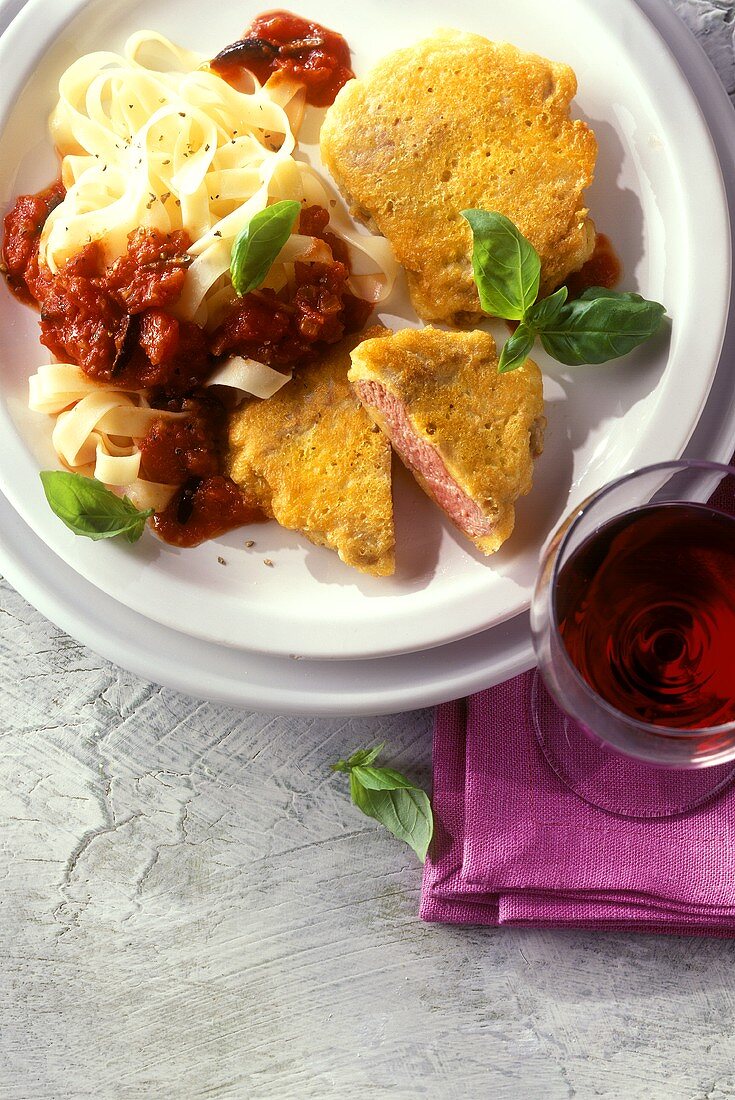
x,y
190,908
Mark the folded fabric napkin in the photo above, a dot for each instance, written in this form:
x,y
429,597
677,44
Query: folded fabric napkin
x,y
527,833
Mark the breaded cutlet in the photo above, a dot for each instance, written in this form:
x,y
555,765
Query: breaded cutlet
x,y
468,434
458,122
312,459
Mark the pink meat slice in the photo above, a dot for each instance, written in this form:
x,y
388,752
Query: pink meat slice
x,y
420,456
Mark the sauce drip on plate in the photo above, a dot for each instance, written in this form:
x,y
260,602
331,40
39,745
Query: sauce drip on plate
x,y
602,269
204,509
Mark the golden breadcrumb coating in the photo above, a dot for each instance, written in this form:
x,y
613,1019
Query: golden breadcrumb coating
x,y
314,462
457,122
468,434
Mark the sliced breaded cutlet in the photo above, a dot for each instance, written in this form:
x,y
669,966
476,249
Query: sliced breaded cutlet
x,y
468,434
458,122
313,460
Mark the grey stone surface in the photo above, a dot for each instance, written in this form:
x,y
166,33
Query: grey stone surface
x,y
190,907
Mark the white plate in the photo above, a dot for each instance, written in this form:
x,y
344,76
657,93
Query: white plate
x,y
657,175
349,687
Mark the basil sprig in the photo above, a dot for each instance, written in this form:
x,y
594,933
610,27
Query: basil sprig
x,y
390,798
598,326
88,508
257,245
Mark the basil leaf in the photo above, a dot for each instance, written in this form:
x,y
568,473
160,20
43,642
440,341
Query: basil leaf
x,y
88,508
405,812
516,349
601,325
257,245
358,758
605,292
361,756
388,797
506,266
365,756
380,779
547,310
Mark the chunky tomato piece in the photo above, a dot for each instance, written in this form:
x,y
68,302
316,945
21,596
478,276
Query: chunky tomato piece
x,y
159,335
79,323
23,225
152,273
313,222
280,41
176,449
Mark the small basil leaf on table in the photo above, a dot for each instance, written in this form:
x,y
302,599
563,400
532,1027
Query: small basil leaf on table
x,y
388,797
380,779
547,309
362,756
366,756
88,508
506,266
516,349
257,245
405,812
599,326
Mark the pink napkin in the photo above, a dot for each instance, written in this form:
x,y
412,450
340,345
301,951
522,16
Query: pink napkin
x,y
526,837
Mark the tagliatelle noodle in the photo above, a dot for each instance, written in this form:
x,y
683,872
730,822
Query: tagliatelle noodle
x,y
56,386
97,427
150,494
153,138
101,430
175,149
248,376
374,267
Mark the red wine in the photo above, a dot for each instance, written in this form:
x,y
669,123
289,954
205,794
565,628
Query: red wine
x,y
646,608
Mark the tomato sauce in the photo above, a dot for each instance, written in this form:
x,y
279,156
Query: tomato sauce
x,y
115,322
204,509
178,448
318,310
109,320
279,41
602,269
23,227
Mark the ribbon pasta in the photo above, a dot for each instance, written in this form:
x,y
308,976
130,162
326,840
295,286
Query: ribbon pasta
x,y
153,138
97,427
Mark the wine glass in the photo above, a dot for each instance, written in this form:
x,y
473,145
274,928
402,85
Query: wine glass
x,y
633,624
